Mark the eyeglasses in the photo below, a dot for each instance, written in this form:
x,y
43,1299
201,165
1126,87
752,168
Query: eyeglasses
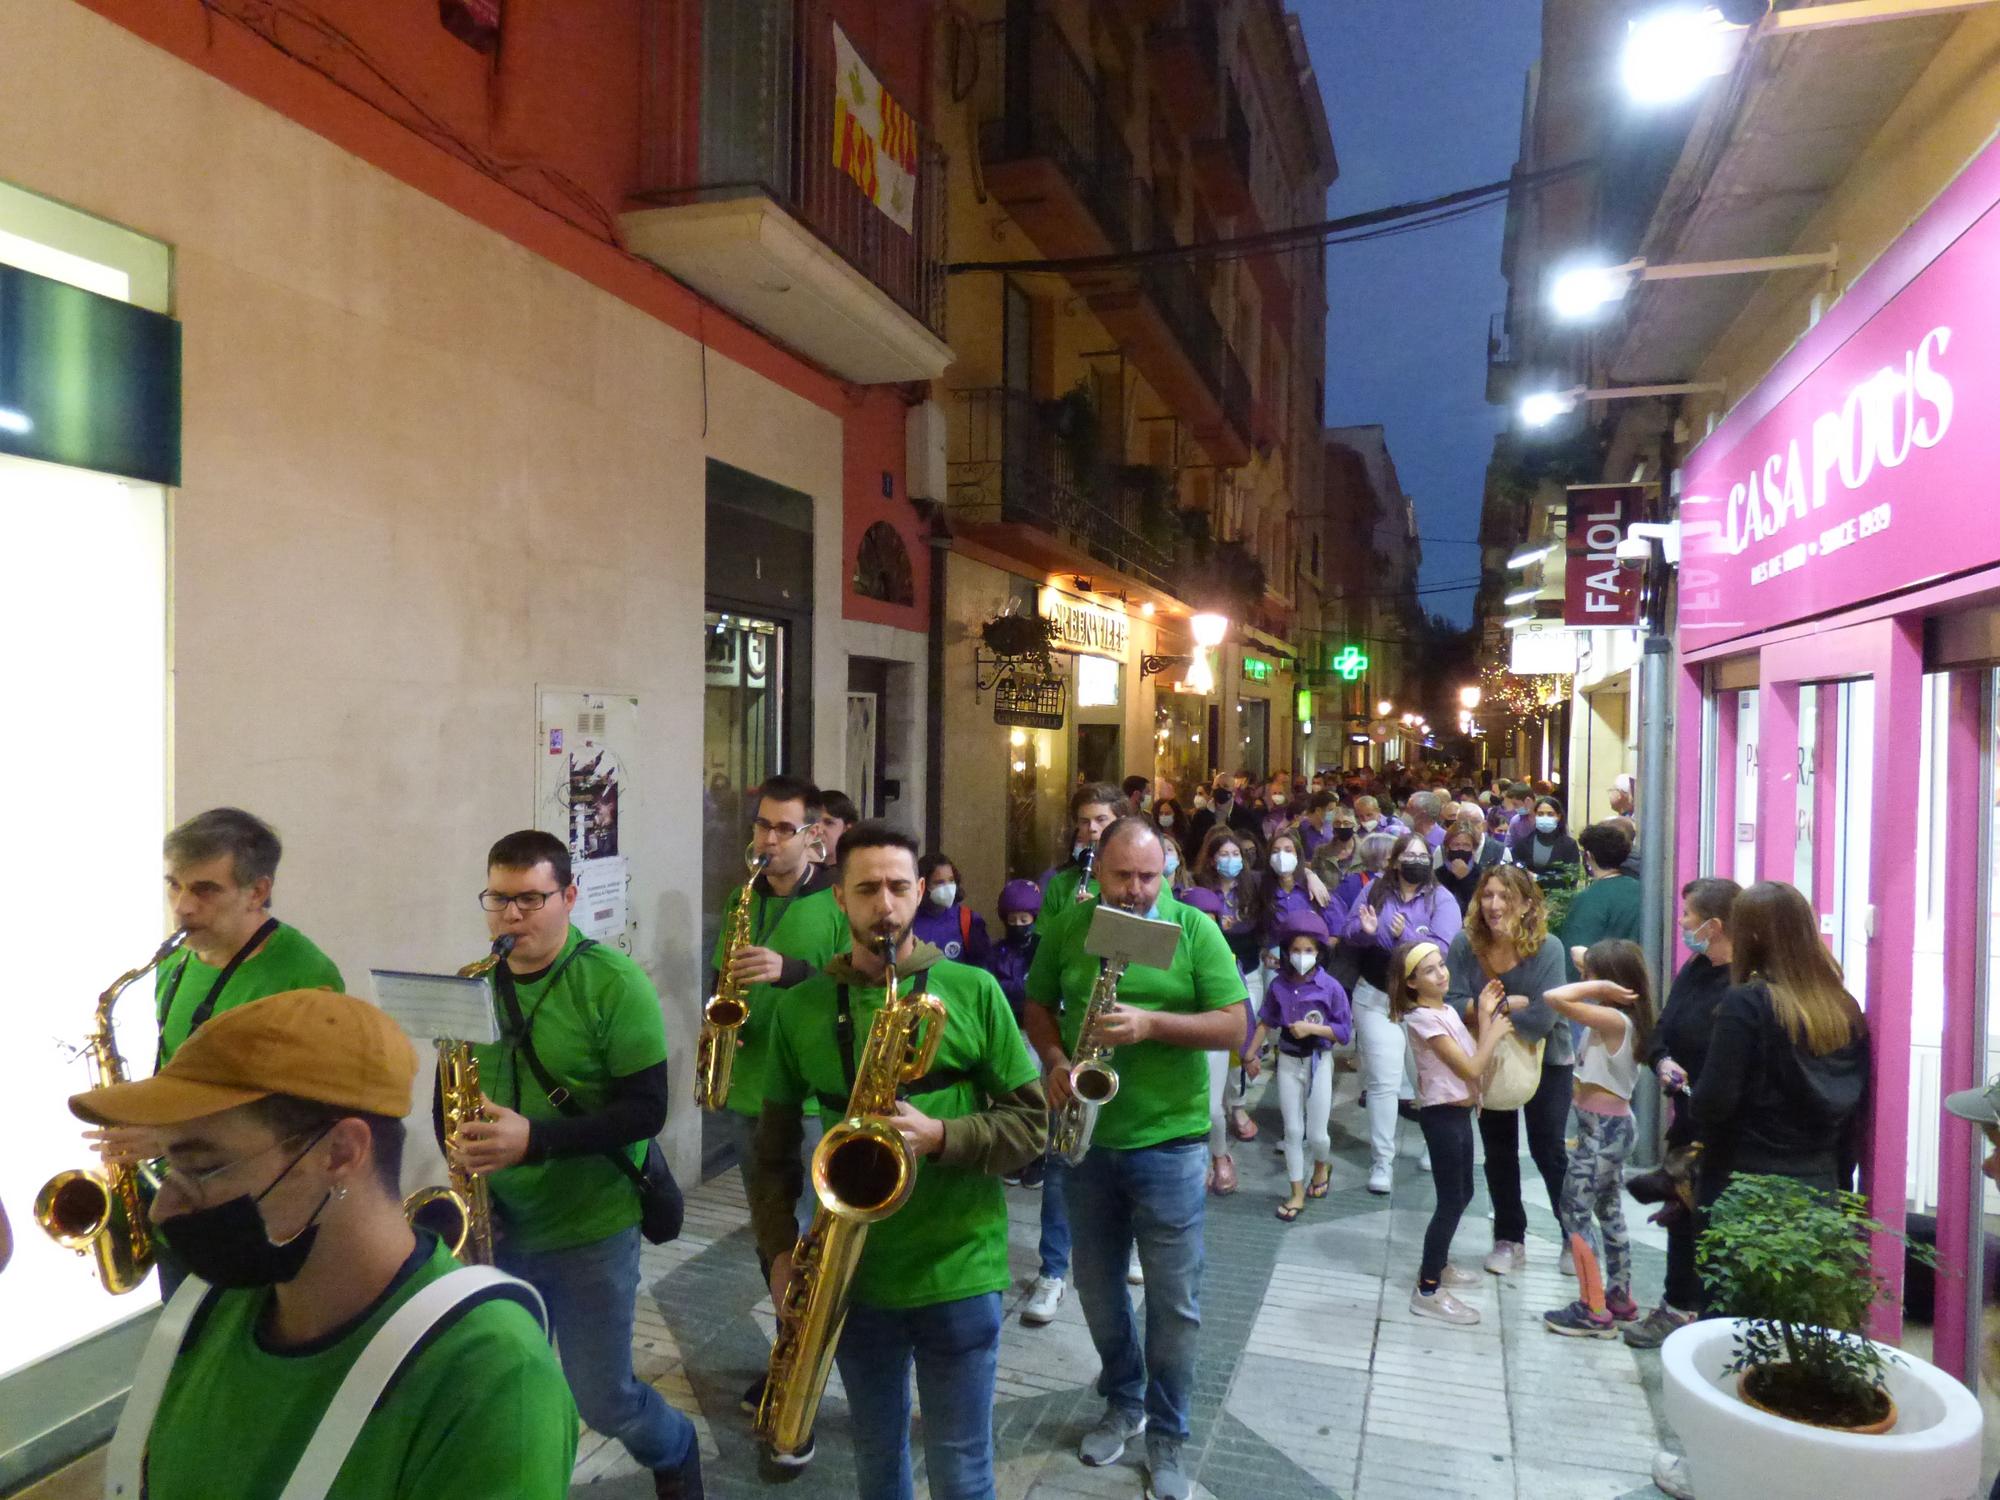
x,y
785,832
194,1182
527,901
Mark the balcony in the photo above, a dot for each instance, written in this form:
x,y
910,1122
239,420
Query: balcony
x,y
754,210
1501,365
1051,150
1024,486
1222,162
1184,48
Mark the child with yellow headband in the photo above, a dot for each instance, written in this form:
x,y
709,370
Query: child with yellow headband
x,y
1449,1066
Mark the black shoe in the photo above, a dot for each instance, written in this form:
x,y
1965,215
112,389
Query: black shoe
x,y
683,1483
753,1398
794,1461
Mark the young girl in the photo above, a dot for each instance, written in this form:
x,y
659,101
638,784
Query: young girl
x,y
1449,1067
1220,868
1614,1003
1306,1009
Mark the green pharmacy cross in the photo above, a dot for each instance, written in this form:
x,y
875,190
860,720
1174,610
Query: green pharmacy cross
x,y
1351,662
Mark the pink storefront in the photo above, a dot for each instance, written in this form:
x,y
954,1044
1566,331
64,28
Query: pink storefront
x,y
1839,632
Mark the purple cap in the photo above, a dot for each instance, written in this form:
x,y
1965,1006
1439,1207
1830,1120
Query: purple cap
x,y
1201,898
1020,896
1304,922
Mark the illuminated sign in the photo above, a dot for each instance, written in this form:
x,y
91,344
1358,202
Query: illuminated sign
x,y
1085,627
1351,662
1256,669
1305,703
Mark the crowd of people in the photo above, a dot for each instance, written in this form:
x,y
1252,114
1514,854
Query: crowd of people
x,y
1456,947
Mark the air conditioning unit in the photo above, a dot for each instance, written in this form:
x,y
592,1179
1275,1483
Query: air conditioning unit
x,y
925,451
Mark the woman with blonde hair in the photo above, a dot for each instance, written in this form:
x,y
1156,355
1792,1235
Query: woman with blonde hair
x,y
1506,939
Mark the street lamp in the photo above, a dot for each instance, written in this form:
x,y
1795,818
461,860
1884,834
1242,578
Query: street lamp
x,y
1383,708
1516,622
1584,289
1208,629
1529,556
1469,696
1539,408
1520,596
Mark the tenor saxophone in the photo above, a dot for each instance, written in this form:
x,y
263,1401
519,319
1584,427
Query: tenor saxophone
x,y
1093,1082
862,1171
461,1213
101,1213
728,1008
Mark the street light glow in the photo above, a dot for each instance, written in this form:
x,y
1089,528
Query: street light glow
x,y
1529,556
1671,52
1539,408
1383,708
1469,697
1517,622
16,422
1582,291
1209,629
1520,596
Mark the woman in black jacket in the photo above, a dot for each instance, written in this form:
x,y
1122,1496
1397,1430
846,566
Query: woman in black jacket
x,y
1545,843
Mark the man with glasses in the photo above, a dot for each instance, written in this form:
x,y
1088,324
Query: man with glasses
x,y
577,1080
282,1123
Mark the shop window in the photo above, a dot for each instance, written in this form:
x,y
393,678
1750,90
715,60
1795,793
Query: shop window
x,y
882,567
1097,682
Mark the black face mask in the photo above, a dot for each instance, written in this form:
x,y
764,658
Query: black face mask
x,y
1019,936
226,1244
1460,859
1414,871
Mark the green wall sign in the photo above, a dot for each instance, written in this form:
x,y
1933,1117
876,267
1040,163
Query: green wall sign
x,y
88,381
1351,662
1256,669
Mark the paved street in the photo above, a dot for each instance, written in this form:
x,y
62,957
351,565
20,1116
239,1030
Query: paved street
x,y
1314,1377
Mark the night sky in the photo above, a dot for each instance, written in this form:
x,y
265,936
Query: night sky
x,y
1424,97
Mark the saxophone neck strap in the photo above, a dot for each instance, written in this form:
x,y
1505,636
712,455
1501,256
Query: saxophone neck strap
x,y
172,988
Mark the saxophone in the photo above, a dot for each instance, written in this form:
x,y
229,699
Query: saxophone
x,y
100,1212
1093,1082
465,1220
862,1171
729,1007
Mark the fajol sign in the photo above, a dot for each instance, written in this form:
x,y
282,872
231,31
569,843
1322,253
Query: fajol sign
x,y
1596,590
1862,466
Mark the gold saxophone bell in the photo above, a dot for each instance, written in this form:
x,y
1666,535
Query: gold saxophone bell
x,y
102,1214
1093,1080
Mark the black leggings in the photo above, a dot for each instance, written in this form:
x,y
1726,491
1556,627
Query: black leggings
x,y
1448,1137
1546,1114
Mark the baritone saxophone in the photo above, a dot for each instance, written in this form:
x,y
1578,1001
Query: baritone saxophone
x,y
95,1212
862,1171
728,1008
461,1213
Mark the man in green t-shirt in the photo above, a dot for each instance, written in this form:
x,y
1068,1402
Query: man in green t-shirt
x,y
1145,1176
283,1129
549,1146
927,1287
1091,810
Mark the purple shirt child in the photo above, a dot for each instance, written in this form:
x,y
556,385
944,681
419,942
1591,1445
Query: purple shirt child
x,y
1291,999
956,931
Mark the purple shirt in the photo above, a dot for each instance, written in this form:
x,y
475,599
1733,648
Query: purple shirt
x,y
1314,838
1433,916
1289,999
1008,963
945,929
1285,904
1276,821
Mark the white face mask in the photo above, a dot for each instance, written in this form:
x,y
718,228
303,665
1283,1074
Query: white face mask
x,y
945,893
1166,820
1302,963
1284,861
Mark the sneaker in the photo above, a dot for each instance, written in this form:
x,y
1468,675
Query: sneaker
x,y
1652,1330
1453,1276
1505,1256
1670,1474
1135,1274
1381,1177
1578,1322
1567,1263
798,1460
1043,1301
753,1398
1165,1478
683,1483
1621,1307
1105,1443
1444,1307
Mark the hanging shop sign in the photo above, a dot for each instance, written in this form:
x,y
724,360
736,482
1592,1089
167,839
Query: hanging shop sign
x,y
1256,669
88,381
1861,466
1350,663
874,138
1597,589
1085,627
1544,647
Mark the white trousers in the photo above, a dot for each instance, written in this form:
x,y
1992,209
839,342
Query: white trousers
x,y
1383,1050
1305,1095
1225,1092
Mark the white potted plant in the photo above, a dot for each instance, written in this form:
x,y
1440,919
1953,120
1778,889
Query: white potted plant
x,y
1781,1396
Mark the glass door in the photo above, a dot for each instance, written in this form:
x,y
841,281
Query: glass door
x,y
743,712
1742,860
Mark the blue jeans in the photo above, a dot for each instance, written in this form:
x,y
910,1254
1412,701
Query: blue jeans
x,y
1055,1218
956,1349
1156,1197
591,1292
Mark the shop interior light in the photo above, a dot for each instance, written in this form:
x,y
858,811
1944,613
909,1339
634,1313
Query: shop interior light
x,y
1208,629
16,422
1527,557
1672,51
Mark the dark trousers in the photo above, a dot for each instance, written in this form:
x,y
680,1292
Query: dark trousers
x,y
1447,1132
1683,1283
1545,1116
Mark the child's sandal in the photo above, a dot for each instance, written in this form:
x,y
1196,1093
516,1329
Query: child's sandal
x,y
1290,1211
1320,1187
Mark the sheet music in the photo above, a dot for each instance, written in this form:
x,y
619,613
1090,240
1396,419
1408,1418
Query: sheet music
x,y
434,1006
1131,938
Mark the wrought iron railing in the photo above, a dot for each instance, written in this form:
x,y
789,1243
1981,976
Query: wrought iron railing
x,y
767,87
1200,22
1011,462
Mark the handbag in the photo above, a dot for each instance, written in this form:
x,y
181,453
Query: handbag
x,y
662,1208
1513,1075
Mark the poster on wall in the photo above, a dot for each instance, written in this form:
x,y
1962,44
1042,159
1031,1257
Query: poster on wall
x,y
587,742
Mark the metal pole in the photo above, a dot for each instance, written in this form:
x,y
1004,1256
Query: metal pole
x,y
1655,825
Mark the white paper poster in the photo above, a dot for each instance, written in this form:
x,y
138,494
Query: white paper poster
x,y
586,749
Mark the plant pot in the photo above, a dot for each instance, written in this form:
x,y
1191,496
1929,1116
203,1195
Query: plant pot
x,y
1866,1429
1737,1452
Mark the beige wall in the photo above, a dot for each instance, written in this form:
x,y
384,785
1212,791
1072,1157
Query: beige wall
x,y
424,472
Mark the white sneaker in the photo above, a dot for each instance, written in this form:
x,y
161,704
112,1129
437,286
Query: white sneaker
x,y
1381,1177
1043,1301
1444,1307
1670,1474
1506,1256
1134,1275
1453,1276
1567,1264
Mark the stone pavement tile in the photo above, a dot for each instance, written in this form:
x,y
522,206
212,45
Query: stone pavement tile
x,y
1405,1469
1538,1480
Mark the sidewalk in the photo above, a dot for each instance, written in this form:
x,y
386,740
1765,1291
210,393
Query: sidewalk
x,y
1314,1378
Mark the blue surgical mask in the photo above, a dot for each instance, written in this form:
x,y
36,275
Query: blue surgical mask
x,y
1173,862
1229,866
1545,824
1694,944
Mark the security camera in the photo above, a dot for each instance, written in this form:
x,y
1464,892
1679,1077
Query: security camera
x,y
1635,551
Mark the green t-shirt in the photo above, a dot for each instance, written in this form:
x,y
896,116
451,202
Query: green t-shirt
x,y
811,928
949,1240
1060,896
1606,908
598,1020
1162,1090
287,961
481,1411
